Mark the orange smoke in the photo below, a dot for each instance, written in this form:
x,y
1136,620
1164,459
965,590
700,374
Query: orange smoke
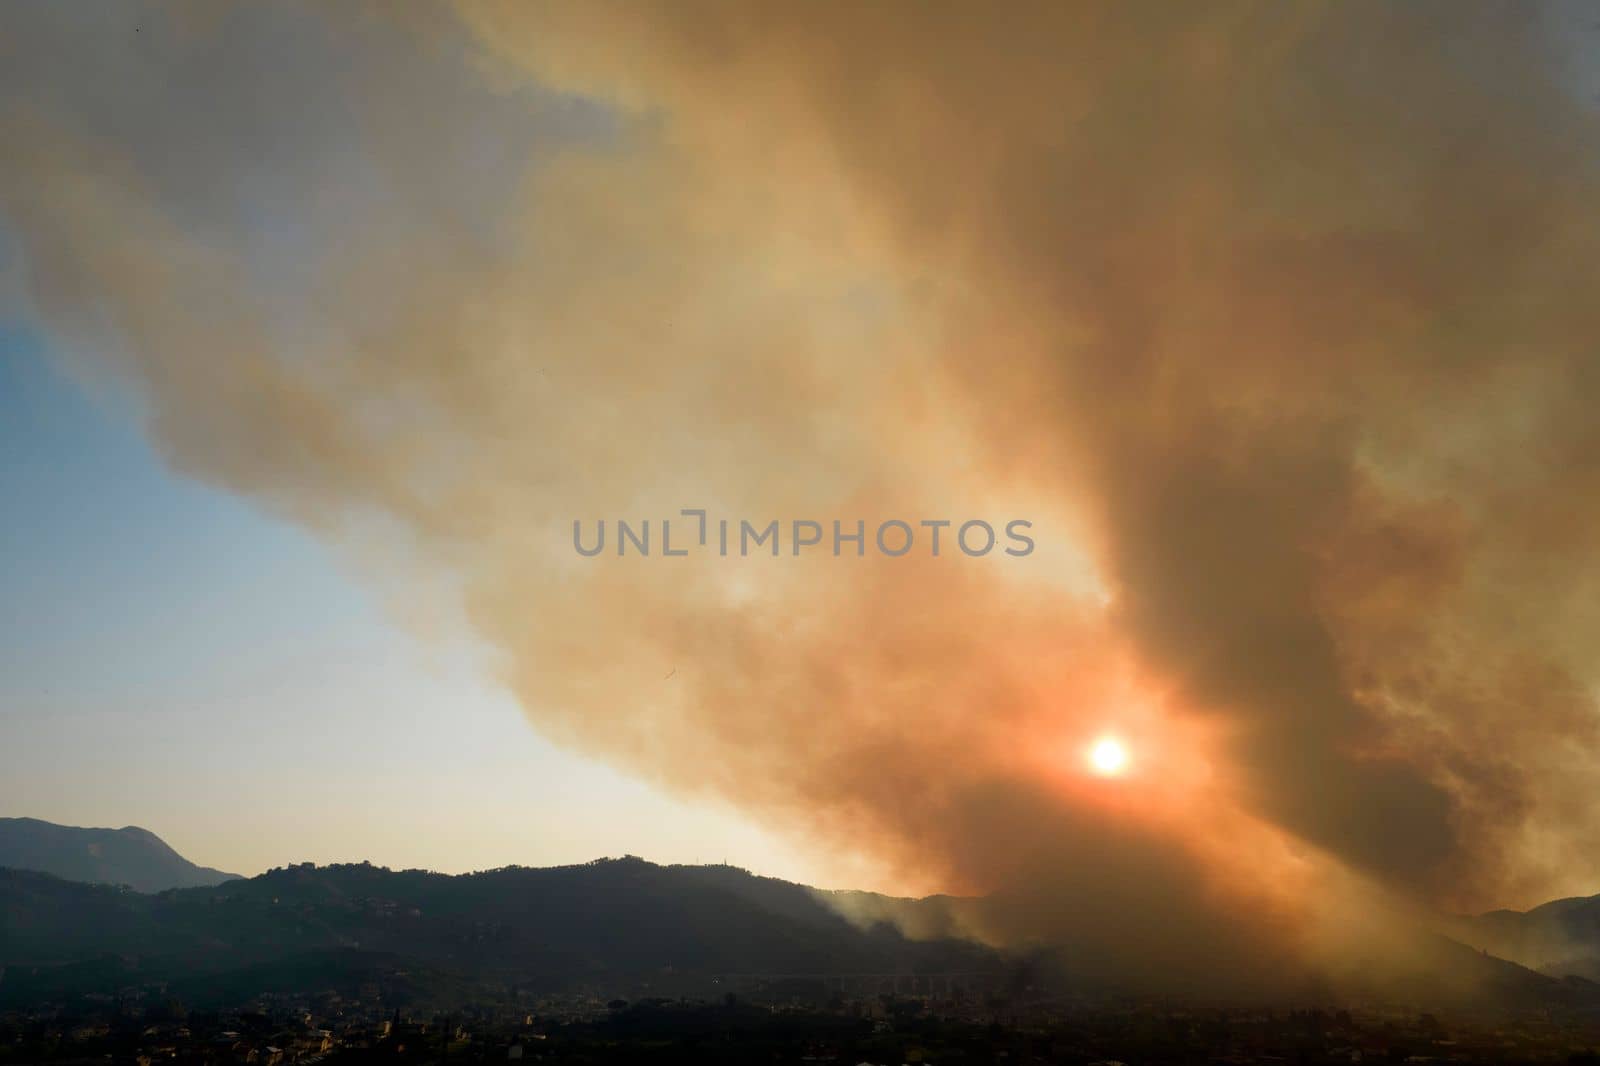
x,y
1274,320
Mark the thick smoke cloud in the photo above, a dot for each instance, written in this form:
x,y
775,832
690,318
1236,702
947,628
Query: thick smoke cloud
x,y
1274,319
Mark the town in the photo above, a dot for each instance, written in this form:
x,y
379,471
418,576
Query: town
x,y
144,1027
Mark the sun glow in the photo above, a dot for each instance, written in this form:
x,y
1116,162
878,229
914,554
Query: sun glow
x,y
1107,757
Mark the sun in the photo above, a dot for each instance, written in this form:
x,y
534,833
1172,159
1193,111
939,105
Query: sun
x,y
1107,757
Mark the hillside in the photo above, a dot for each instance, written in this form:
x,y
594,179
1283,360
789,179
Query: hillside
x,y
615,924
1561,938
610,927
128,856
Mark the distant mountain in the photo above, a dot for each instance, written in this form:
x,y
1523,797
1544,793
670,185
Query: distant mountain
x,y
618,925
1560,938
129,856
611,927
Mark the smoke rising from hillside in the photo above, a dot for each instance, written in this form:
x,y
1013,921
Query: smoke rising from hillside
x,y
1274,319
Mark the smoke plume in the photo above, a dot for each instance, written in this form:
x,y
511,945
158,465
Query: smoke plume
x,y
1275,320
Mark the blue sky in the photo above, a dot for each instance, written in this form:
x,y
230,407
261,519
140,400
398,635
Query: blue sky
x,y
173,658
170,653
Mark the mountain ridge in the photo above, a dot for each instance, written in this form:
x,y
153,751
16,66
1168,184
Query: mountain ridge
x,y
132,855
615,923
1560,937
621,924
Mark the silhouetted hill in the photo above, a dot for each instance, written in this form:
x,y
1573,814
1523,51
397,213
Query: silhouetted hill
x,y
1561,937
613,924
617,926
128,856
1449,972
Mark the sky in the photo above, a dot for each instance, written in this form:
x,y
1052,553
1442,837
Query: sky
x,y
173,658
1270,324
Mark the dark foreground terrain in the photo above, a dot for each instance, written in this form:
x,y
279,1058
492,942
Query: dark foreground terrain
x,y
961,1028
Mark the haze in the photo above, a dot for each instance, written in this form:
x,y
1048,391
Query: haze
x,y
1275,320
